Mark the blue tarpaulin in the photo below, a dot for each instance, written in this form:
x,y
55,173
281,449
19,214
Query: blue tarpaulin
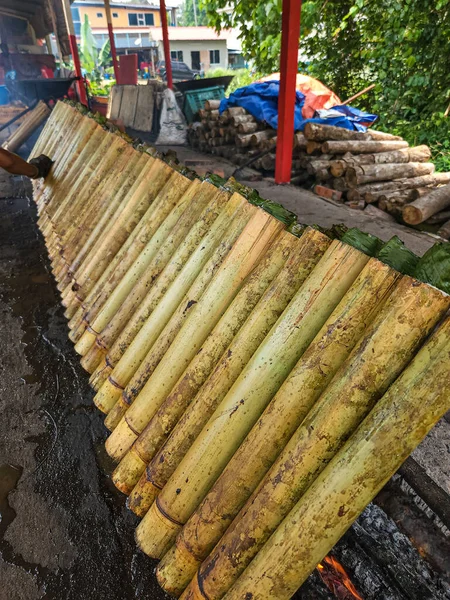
x,y
261,101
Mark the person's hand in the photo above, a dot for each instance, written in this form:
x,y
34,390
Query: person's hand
x,y
43,164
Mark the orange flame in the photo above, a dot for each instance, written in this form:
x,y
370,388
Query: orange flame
x,y
336,579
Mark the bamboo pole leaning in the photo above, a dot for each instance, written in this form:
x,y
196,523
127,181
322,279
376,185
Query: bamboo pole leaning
x,y
249,396
312,373
383,352
393,428
30,123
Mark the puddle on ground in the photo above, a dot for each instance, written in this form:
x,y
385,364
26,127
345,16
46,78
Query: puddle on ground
x,y
9,478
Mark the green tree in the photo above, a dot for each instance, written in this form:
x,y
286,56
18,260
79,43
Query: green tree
x,y
187,16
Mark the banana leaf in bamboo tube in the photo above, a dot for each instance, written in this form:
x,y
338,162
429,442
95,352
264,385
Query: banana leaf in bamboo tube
x,y
306,254
179,234
394,427
132,369
181,198
249,396
150,268
159,288
409,315
150,186
145,447
257,234
310,376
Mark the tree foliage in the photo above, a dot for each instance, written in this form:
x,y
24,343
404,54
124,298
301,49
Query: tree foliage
x,y
187,17
402,46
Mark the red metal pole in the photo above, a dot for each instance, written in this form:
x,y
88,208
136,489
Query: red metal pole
x,y
74,51
290,34
111,41
165,30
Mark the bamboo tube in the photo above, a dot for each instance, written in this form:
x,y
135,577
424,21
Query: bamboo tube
x,y
313,372
59,112
249,396
146,208
386,348
203,193
306,254
202,364
180,199
249,248
159,288
27,127
394,427
131,370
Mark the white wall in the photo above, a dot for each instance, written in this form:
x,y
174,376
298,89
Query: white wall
x,y
203,47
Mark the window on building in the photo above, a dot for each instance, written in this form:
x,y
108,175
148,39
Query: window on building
x,y
99,15
76,20
115,15
214,57
141,19
132,19
149,19
176,55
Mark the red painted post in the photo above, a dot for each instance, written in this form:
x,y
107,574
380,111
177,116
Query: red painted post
x,y
112,41
74,51
165,31
290,34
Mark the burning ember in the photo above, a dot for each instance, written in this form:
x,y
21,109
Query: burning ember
x,y
336,579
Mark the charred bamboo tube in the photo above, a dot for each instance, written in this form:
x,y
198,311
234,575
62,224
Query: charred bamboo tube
x,y
313,372
423,208
199,196
131,370
173,407
250,247
306,254
134,230
181,198
395,426
249,396
159,288
386,348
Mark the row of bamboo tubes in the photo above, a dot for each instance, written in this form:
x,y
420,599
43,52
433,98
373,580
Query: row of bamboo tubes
x,y
260,386
365,167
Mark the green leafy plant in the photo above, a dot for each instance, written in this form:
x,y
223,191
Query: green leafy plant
x,y
241,77
94,61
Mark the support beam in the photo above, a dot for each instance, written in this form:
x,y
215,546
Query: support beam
x,y
165,31
290,33
112,41
74,51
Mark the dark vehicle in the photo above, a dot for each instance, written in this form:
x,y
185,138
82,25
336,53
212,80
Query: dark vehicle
x,y
180,71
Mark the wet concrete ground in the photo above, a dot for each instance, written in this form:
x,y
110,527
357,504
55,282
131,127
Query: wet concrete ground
x,y
64,531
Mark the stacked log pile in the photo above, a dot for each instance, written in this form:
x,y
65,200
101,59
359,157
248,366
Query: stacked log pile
x,y
357,168
260,380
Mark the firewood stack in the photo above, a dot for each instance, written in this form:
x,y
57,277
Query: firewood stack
x,y
356,168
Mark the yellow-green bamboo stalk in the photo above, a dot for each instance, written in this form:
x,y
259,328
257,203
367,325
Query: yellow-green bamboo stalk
x,y
398,423
49,198
386,348
249,396
108,262
173,407
160,287
46,134
201,194
82,194
111,183
132,368
299,266
310,376
248,250
179,200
